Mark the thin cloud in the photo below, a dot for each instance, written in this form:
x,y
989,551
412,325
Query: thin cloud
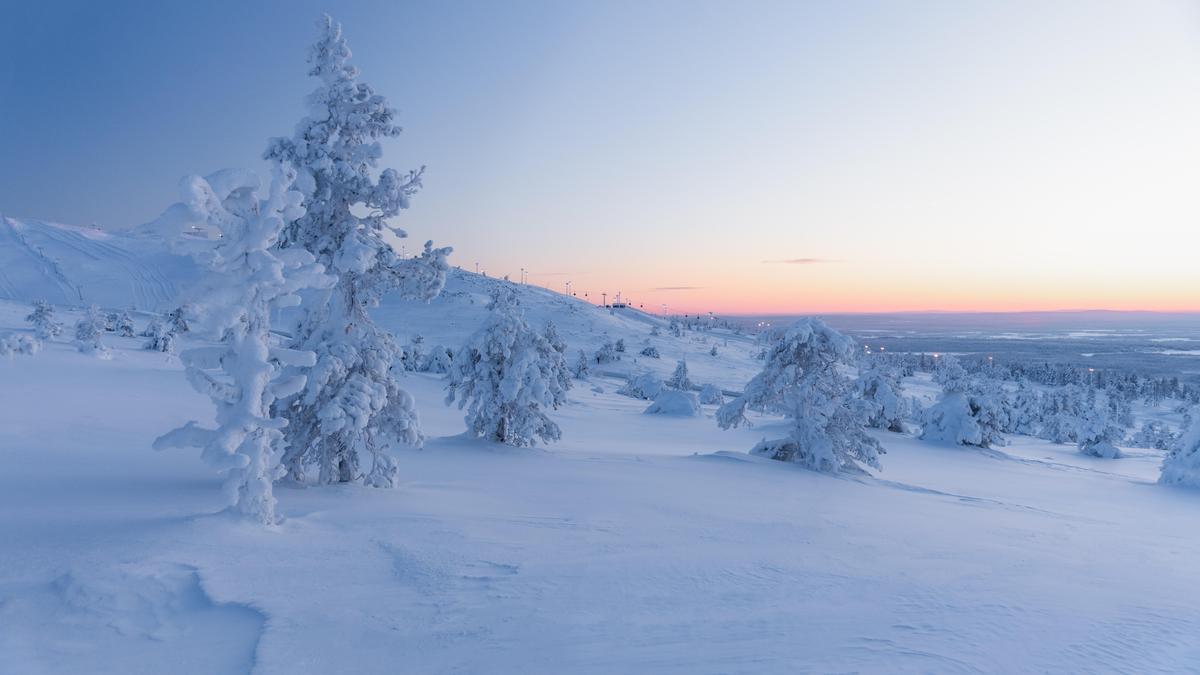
x,y
678,288
800,261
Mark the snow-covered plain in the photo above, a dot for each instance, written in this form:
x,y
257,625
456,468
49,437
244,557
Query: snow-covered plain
x,y
639,543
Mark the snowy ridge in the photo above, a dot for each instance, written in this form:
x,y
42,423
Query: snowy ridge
x,y
68,265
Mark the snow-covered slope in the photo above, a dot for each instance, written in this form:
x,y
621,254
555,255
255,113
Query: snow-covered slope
x,y
74,266
639,543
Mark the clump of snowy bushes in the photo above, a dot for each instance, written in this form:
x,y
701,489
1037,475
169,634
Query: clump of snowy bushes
x,y
18,343
710,394
651,352
506,376
643,386
674,402
802,379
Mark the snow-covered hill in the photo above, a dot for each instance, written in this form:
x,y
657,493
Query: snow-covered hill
x,y
75,266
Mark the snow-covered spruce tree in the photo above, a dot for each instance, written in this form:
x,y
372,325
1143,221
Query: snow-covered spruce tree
x,y
879,386
88,331
619,347
550,332
969,412
679,379
713,351
42,318
246,279
1182,465
506,375
802,380
124,325
353,405
1098,433
583,366
160,336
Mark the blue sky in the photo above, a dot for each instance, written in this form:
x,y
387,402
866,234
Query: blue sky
x,y
920,155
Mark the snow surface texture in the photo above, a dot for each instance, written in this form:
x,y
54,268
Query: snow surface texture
x,y
636,543
79,266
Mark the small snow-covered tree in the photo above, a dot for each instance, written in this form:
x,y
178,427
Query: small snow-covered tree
x,y
619,347
679,379
803,380
42,318
88,332
1182,465
654,331
414,356
246,279
1098,434
124,325
353,405
969,412
178,319
651,352
439,360
713,351
583,366
879,386
161,338
550,332
506,375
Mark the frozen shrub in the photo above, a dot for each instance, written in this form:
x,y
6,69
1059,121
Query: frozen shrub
x,y
676,403
644,386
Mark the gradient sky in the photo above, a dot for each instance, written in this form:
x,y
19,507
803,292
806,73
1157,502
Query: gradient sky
x,y
734,157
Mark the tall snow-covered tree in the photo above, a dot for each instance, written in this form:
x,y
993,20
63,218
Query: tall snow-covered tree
x,y
1182,465
88,333
42,318
353,405
802,379
680,379
247,278
506,375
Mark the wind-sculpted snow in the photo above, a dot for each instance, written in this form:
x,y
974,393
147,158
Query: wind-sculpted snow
x,y
80,266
